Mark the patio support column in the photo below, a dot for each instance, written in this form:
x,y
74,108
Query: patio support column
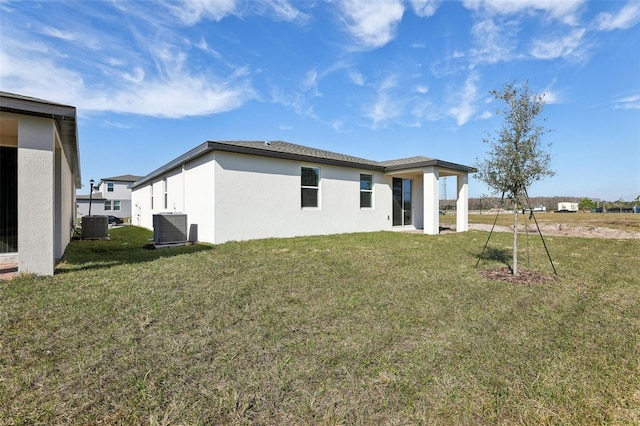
x,y
462,203
431,197
36,195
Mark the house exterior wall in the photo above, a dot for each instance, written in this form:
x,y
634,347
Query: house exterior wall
x,y
97,207
231,197
190,190
67,196
259,197
120,190
121,193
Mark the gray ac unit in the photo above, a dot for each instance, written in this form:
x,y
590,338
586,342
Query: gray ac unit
x,y
95,227
169,228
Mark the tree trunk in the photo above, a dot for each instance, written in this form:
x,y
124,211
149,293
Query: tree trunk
x,y
515,240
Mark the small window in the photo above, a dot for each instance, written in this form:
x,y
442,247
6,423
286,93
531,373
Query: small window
x,y
151,186
164,183
107,205
109,186
116,205
310,179
366,191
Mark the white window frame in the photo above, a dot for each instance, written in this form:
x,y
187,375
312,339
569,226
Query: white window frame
x,y
369,191
316,188
107,205
110,187
116,205
166,197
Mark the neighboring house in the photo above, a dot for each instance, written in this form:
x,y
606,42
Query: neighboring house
x,y
112,196
39,174
568,207
242,190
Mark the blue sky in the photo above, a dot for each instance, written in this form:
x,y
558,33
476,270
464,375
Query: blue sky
x,y
375,79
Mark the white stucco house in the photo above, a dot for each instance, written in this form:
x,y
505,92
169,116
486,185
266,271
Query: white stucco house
x,y
242,190
111,196
39,174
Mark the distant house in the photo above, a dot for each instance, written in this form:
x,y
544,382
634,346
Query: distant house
x,y
568,207
39,174
111,196
242,190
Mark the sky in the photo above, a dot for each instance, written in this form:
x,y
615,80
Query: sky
x,y
374,79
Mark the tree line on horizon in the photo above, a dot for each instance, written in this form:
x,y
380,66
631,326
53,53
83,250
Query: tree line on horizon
x,y
550,203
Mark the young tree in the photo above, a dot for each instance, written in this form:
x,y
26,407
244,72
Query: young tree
x,y
517,157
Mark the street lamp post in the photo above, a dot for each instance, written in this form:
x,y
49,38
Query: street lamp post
x,y
90,194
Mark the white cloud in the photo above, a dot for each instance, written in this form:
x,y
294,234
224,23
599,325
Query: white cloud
x,y
425,8
564,10
372,22
465,100
310,82
174,93
494,42
356,78
63,35
116,62
551,97
385,107
421,89
570,45
627,17
190,12
628,102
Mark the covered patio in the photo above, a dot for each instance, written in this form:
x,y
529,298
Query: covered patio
x,y
416,193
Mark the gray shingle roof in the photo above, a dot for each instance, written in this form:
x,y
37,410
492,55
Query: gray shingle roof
x,y
94,196
286,150
123,178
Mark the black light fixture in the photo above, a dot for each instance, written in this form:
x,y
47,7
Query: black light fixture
x,y
91,182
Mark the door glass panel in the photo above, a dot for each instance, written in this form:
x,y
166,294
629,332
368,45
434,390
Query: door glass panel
x,y
406,199
8,200
397,202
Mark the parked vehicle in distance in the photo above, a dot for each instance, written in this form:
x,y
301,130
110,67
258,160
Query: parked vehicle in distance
x,y
113,220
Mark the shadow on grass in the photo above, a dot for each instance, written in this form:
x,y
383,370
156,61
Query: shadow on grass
x,y
125,246
495,254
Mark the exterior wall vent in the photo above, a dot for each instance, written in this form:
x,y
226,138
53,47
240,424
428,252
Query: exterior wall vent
x,y
169,228
95,227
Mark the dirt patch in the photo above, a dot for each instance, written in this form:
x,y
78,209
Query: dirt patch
x,y
503,273
565,230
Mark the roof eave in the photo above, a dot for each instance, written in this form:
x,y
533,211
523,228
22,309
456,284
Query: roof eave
x,y
64,117
432,163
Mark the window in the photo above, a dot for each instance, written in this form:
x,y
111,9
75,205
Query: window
x,y
151,186
310,178
164,183
366,190
116,205
109,186
107,205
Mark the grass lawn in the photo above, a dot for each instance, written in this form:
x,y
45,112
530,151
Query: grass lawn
x,y
377,328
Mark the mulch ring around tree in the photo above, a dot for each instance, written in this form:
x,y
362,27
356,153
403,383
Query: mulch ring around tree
x,y
503,274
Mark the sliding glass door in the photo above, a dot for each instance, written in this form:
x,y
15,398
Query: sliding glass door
x,y
402,201
8,199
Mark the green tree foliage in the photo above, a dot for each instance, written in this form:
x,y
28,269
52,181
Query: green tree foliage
x,y
517,157
587,204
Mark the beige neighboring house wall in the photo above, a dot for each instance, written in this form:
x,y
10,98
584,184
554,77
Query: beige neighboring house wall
x,y
243,190
44,134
